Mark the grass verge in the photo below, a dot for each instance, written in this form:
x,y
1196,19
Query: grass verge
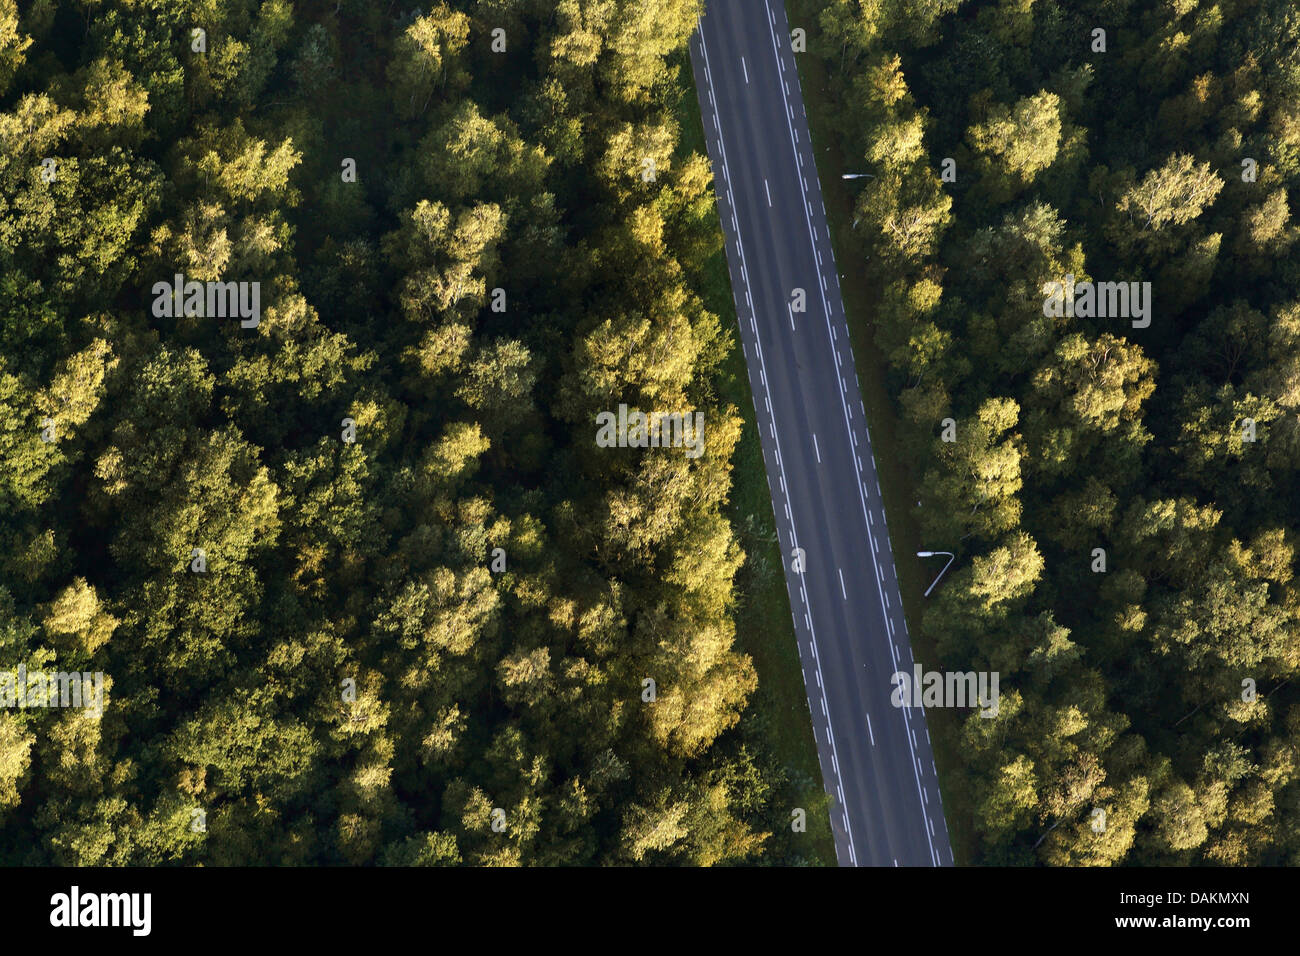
x,y
778,711
861,293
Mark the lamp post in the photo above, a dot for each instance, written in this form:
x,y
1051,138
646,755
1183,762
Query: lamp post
x,y
857,176
931,554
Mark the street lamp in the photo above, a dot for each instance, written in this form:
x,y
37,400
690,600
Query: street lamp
x,y
857,176
931,554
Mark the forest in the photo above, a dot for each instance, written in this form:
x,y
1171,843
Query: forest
x,y
362,586
364,589
1120,491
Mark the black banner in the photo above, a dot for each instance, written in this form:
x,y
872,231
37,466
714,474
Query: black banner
x,y
943,907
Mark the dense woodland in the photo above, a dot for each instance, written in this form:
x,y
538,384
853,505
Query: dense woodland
x,y
374,560
133,149
1123,688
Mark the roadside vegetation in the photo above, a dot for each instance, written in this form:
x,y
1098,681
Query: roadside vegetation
x,y
1118,486
363,587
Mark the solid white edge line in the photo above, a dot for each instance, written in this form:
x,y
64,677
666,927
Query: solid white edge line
x,y
826,311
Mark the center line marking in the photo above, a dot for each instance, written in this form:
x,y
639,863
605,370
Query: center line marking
x,y
816,449
768,191
842,591
743,67
794,144
873,736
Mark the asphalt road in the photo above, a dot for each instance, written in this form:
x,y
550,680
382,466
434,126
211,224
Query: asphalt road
x,y
876,759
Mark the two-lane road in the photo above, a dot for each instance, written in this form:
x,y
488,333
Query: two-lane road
x,y
876,759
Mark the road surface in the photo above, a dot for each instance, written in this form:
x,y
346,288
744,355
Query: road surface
x,y
876,759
